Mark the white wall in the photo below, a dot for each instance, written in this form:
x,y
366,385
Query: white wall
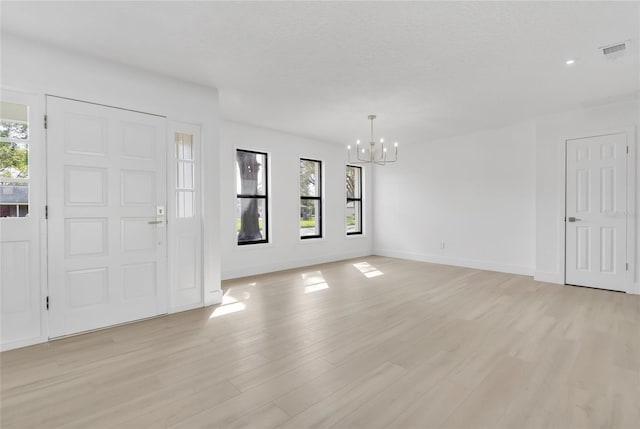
x,y
494,197
475,192
551,132
286,250
40,69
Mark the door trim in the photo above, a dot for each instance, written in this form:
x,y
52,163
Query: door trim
x,y
631,216
104,105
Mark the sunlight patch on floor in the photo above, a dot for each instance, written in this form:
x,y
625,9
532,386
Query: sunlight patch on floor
x,y
368,270
230,297
314,281
228,309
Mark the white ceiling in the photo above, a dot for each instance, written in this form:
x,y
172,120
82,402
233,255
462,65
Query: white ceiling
x,y
427,69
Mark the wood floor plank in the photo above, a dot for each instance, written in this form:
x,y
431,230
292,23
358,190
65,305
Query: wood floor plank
x,y
387,343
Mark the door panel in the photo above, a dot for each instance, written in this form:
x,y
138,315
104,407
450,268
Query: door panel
x,y
107,244
21,219
596,211
185,245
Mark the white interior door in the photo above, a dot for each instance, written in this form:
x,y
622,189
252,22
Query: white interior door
x,y
107,233
596,212
21,217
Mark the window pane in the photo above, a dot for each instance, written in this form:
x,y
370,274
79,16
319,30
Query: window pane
x,y
184,146
310,218
353,182
354,223
14,120
185,175
14,160
185,203
309,178
251,219
14,199
251,173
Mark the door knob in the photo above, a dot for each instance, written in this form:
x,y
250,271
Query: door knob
x,y
154,222
573,219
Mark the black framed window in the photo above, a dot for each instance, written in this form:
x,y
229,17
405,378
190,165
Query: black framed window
x,y
354,200
310,198
252,199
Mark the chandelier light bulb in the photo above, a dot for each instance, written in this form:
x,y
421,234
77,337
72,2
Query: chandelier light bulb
x,y
385,149
395,144
348,147
357,141
362,150
381,140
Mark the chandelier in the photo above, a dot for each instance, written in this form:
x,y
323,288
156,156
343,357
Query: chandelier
x,y
372,154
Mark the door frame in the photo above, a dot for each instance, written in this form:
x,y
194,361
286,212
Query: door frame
x,y
631,215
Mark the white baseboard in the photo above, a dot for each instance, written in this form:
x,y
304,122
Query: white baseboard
x,y
22,343
549,277
459,262
286,265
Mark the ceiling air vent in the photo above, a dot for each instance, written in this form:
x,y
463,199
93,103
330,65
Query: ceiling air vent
x,y
615,51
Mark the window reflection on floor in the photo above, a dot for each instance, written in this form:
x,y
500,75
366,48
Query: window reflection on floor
x,y
314,281
232,301
227,309
368,270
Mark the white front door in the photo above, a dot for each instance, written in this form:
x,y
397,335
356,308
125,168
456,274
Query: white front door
x,y
21,218
107,233
596,211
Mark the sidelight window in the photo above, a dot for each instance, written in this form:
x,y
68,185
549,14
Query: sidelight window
x,y
185,186
14,160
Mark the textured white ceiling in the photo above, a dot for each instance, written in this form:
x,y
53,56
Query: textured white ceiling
x,y
427,69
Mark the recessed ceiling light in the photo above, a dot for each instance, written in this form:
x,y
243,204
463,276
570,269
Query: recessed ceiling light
x,y
570,62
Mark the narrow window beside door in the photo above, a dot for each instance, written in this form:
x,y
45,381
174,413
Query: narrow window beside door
x,y
251,197
185,187
14,160
310,198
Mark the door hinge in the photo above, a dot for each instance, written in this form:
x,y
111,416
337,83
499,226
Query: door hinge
x,y
627,264
46,212
627,150
46,122
47,303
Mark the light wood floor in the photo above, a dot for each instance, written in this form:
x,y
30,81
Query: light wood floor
x,y
376,342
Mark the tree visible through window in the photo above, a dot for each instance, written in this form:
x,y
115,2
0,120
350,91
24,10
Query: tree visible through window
x,y
14,160
310,198
354,200
252,197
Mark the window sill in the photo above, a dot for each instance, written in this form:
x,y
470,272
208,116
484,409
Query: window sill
x,y
311,240
355,236
255,246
